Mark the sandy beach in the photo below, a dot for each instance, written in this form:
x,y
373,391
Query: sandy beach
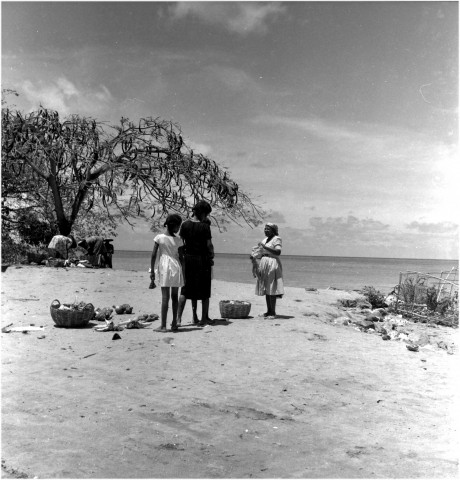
x,y
300,396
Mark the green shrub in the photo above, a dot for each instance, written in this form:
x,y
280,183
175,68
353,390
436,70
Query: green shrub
x,y
35,231
432,299
374,297
13,252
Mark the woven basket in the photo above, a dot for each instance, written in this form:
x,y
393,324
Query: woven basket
x,y
234,308
71,318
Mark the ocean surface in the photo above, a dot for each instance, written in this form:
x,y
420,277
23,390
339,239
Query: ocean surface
x,y
348,273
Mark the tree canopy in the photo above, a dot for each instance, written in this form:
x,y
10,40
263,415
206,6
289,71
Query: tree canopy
x,y
80,170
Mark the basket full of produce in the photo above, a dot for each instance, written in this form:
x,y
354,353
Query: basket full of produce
x,y
71,315
234,308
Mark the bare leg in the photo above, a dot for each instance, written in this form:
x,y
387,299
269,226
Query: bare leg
x,y
164,308
205,312
175,304
272,302
194,308
268,302
205,309
164,305
180,308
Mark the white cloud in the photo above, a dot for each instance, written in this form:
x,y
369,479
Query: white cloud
x,y
67,88
63,95
351,224
437,228
314,126
200,147
242,18
377,144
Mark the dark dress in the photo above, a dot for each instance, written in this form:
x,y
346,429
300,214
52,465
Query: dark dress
x,y
98,253
197,260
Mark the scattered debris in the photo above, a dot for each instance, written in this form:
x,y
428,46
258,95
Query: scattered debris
x,y
108,327
412,348
102,314
393,326
23,329
90,355
133,324
26,299
121,309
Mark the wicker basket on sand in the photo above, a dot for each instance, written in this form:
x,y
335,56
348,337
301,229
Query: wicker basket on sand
x,y
71,316
234,308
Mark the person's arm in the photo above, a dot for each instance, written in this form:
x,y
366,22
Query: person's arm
x,y
210,247
152,261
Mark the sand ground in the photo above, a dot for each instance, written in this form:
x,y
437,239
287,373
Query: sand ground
x,y
297,397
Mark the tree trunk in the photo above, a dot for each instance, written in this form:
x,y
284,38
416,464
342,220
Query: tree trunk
x,y
64,226
63,223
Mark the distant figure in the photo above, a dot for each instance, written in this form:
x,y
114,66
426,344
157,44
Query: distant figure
x,y
198,262
97,251
109,252
270,272
60,245
169,269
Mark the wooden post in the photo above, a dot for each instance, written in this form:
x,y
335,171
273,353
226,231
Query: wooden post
x,y
399,290
442,286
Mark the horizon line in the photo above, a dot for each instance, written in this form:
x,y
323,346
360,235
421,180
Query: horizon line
x,y
319,256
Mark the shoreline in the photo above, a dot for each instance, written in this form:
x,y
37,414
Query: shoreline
x,y
303,395
245,254
301,272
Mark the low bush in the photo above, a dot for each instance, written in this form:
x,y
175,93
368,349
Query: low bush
x,y
374,297
13,252
432,299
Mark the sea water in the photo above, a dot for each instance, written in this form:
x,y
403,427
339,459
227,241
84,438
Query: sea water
x,y
348,273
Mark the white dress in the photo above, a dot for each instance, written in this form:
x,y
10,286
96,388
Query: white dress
x,y
270,274
168,269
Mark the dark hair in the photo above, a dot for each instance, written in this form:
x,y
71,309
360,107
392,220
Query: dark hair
x,y
202,207
173,219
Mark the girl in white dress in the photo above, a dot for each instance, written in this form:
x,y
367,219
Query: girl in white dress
x,y
168,268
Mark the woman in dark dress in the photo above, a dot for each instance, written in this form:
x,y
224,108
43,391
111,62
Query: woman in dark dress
x,y
98,253
198,261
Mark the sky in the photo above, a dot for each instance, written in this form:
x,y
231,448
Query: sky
x,y
340,119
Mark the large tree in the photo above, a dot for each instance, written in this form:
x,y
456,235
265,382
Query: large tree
x,y
63,170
